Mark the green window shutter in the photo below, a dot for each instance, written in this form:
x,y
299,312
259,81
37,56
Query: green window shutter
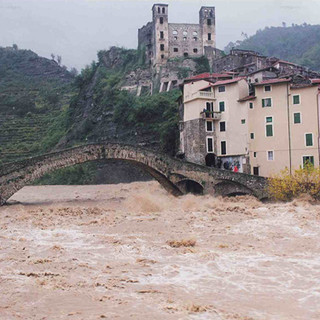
x,y
296,118
269,119
263,103
221,106
309,139
296,99
269,130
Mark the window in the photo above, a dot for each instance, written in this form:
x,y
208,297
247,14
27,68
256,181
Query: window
x,y
270,155
222,88
209,22
195,50
209,36
266,102
162,56
163,10
222,126
296,99
209,144
195,33
162,47
269,127
251,105
223,147
254,154
161,35
209,106
267,88
158,9
175,32
221,106
307,159
175,50
186,54
243,121
195,38
184,38
252,135
175,38
185,33
209,126
256,171
309,139
161,20
297,117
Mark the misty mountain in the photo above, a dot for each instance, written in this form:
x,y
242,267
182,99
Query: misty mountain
x,y
298,44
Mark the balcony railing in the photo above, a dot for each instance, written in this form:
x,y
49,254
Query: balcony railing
x,y
200,95
212,115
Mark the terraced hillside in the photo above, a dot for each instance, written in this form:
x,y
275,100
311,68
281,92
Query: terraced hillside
x,y
34,97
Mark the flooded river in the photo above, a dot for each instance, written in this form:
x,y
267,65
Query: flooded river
x,y
132,251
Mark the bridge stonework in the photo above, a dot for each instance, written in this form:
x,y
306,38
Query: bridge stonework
x,y
176,176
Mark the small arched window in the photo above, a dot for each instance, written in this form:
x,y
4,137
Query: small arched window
x,y
185,33
163,10
195,33
161,20
174,32
158,9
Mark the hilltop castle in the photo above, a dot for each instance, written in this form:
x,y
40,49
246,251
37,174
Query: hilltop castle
x,y
163,40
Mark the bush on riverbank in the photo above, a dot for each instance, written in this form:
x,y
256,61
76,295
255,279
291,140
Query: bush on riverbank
x,y
286,187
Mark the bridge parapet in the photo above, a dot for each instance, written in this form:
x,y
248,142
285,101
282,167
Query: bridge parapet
x,y
168,171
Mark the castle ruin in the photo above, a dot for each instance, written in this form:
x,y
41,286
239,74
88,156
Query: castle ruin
x,y
162,40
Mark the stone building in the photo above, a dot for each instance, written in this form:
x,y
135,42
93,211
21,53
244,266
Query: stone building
x,y
162,40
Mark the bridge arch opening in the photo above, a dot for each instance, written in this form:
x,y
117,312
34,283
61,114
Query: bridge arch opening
x,y
190,186
231,188
15,176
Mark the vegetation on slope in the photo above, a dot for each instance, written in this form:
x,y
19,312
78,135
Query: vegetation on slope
x,y
34,98
103,111
299,44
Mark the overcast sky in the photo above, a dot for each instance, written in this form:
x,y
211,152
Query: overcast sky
x,y
77,29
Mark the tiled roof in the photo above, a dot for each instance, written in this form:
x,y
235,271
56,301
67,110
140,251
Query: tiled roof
x,y
315,81
222,82
208,75
247,98
271,81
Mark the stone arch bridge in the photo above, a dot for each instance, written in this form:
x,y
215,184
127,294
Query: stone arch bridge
x,y
176,176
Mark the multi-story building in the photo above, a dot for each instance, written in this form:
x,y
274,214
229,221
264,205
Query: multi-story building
x,y
259,130
214,128
283,126
163,40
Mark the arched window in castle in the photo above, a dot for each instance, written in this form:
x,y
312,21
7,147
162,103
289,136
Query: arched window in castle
x,y
211,13
184,38
158,9
186,54
185,33
163,10
161,20
209,22
175,32
195,33
162,47
195,50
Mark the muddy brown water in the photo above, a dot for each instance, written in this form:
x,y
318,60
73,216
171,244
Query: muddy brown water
x,y
132,251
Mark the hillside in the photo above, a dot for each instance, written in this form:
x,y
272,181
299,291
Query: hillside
x,y
299,44
34,99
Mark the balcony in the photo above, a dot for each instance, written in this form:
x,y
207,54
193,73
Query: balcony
x,y
200,95
211,115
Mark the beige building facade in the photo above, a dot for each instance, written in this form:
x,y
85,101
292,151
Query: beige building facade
x,y
258,129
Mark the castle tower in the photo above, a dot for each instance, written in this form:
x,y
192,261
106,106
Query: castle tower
x,y
207,22
161,33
